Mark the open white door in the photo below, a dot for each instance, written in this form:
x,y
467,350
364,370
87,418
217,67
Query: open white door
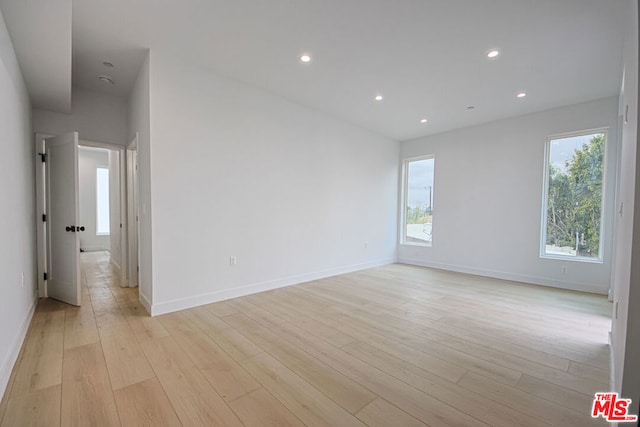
x,y
63,242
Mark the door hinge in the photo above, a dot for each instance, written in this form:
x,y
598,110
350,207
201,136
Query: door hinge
x,y
45,276
138,269
43,156
44,218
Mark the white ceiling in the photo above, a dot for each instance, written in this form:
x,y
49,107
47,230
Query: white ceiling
x,y
427,57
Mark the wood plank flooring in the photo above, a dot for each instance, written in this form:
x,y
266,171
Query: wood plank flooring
x,y
391,346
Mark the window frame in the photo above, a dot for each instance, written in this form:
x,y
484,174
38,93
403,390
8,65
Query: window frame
x,y
98,233
545,198
403,205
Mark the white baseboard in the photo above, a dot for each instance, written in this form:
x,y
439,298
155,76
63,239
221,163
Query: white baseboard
x,y
612,373
533,280
14,350
145,302
115,264
94,249
612,361
225,294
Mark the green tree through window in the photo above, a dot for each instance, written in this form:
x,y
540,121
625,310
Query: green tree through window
x,y
574,197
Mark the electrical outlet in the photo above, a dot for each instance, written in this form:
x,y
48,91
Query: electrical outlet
x,y
563,269
233,260
366,245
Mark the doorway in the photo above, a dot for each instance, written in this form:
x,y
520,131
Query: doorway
x,y
102,200
101,191
96,179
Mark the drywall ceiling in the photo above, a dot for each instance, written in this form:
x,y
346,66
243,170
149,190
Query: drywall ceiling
x,y
41,36
426,57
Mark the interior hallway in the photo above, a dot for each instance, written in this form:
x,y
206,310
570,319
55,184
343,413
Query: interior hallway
x,y
396,345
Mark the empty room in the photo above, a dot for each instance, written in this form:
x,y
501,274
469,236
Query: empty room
x,y
367,213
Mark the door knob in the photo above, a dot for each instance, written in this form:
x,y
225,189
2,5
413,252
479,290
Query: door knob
x,y
71,228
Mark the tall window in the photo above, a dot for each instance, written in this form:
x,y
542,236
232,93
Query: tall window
x,y
102,197
418,201
572,220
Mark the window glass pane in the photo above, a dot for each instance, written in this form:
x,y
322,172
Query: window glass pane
x,y
102,196
419,201
575,168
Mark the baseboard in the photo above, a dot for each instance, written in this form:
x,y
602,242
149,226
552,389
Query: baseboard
x,y
94,249
145,302
115,265
612,373
208,298
533,280
612,361
14,350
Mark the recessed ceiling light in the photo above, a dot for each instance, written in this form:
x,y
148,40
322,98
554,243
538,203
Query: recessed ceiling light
x,y
521,94
106,79
379,98
305,58
423,120
493,53
108,64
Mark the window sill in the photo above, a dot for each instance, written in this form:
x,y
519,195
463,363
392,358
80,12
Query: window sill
x,y
421,245
572,258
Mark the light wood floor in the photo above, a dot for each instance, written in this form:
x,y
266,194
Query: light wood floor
x,y
390,346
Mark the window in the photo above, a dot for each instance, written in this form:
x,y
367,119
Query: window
x,y
573,196
102,204
418,201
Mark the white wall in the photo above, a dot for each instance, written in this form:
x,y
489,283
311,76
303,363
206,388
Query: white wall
x,y
625,332
17,210
139,121
95,116
88,160
488,195
235,171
